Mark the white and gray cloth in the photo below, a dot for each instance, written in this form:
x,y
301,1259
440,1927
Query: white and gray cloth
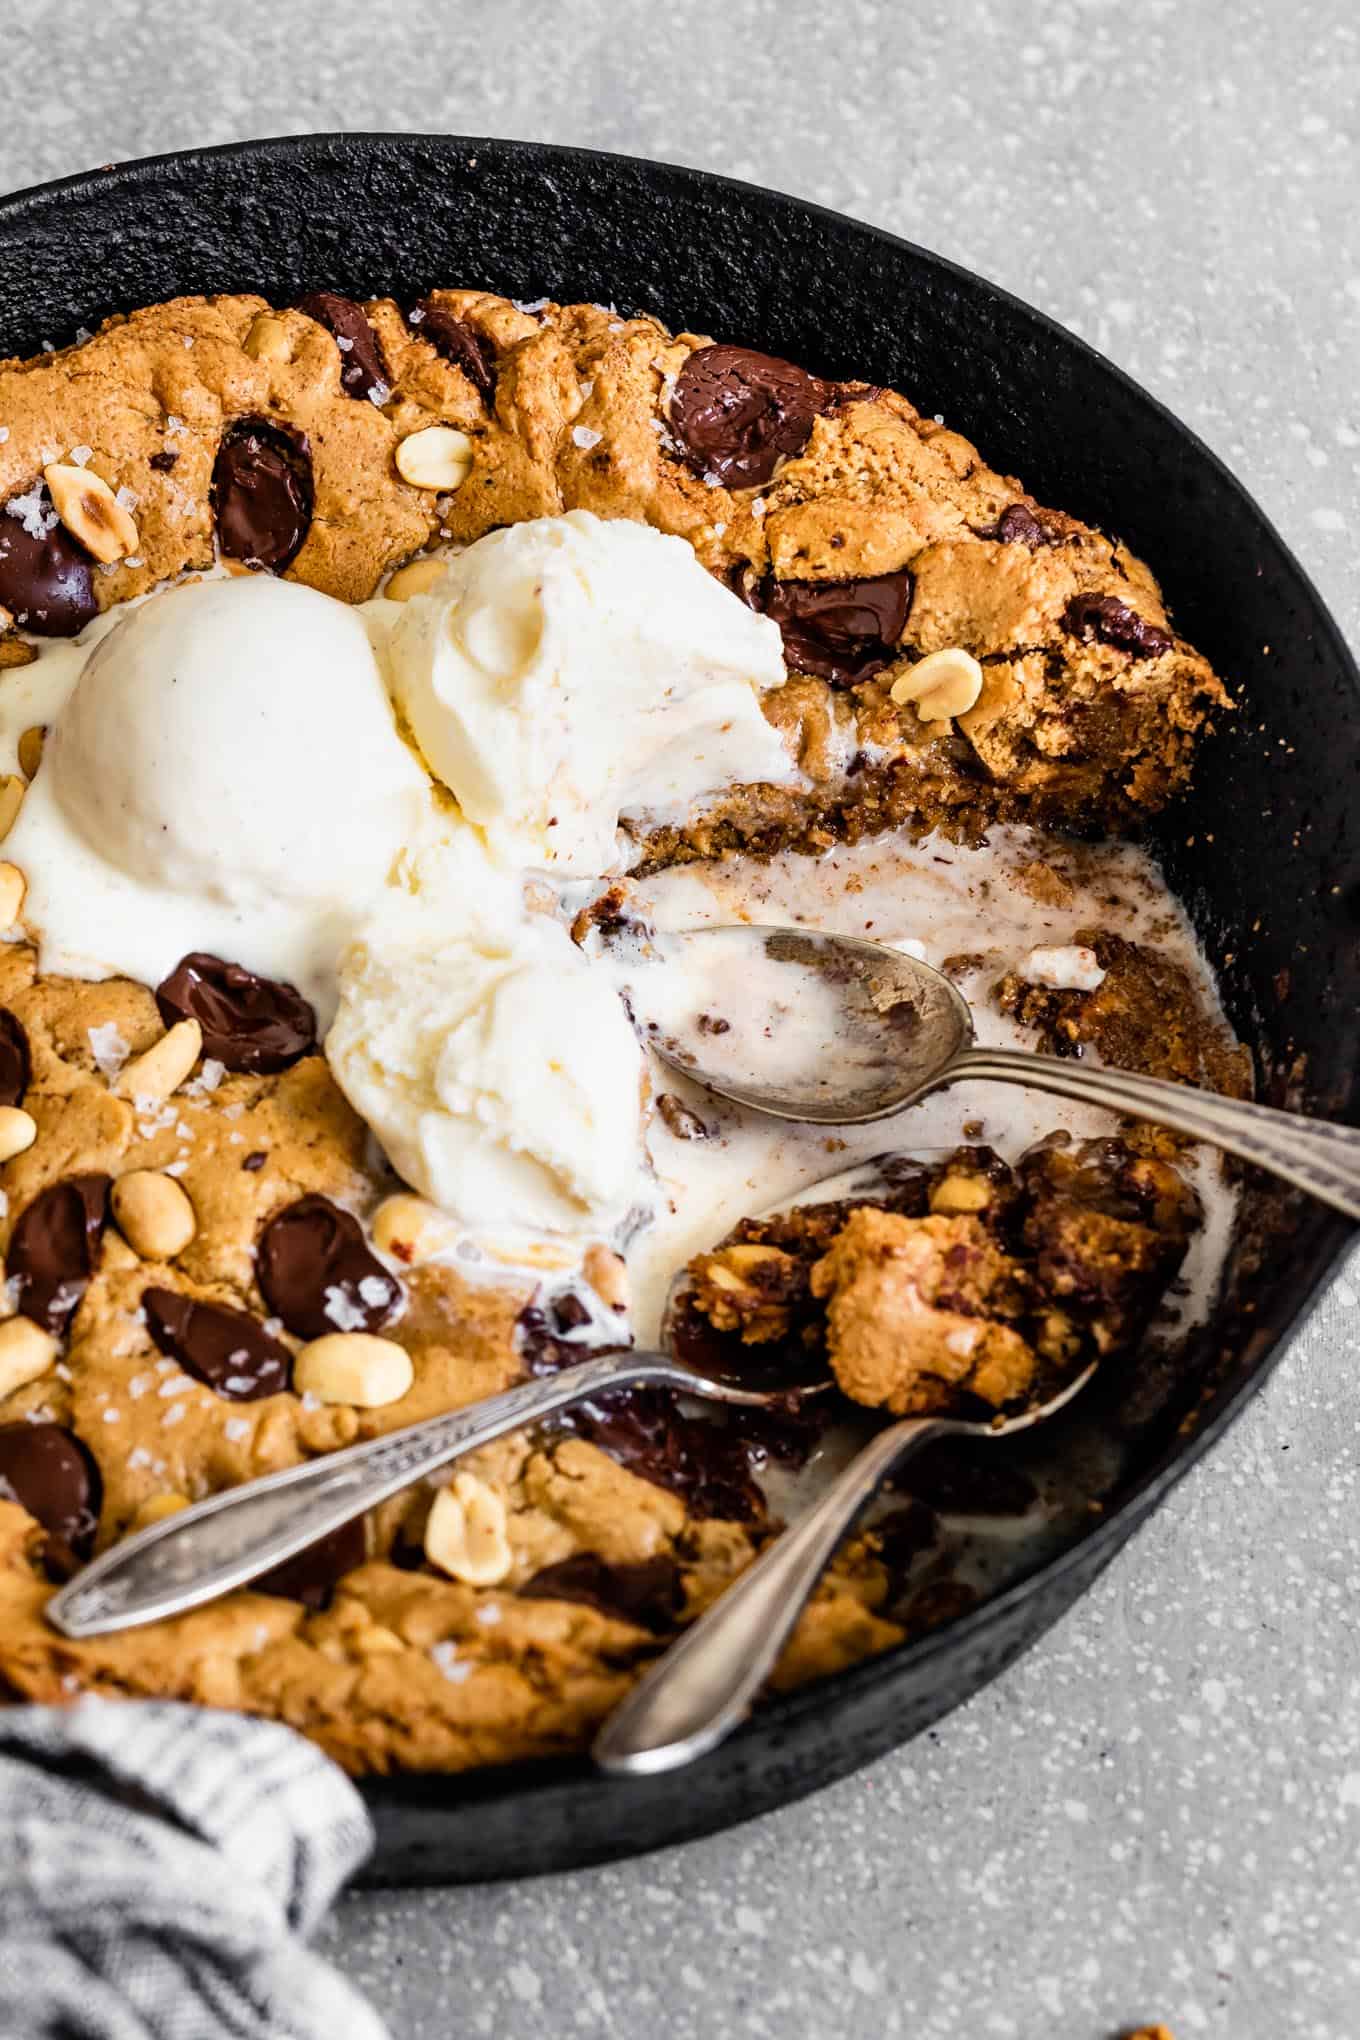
x,y
161,1868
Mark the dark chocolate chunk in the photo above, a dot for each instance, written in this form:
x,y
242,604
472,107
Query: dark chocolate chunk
x,y
255,1160
1021,524
261,494
840,631
363,372
737,413
703,1460
646,1594
1114,623
249,1023
45,583
311,1576
15,1068
50,1473
228,1350
317,1272
164,460
459,343
570,1312
53,1248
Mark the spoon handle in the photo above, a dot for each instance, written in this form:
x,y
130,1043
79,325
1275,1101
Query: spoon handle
x,y
705,1684
1312,1154
233,1537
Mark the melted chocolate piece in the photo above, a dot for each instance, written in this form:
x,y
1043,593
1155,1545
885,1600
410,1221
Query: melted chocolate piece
x,y
53,1248
1019,524
646,1594
249,1023
15,1068
737,413
163,461
363,372
840,631
229,1351
261,494
1114,623
50,1472
311,1576
459,343
316,1271
704,1461
45,583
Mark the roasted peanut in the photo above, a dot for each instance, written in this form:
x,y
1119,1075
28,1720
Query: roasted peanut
x,y
417,577
357,1368
164,1066
411,1229
13,886
153,1213
26,1353
437,457
465,1534
91,512
18,1131
941,685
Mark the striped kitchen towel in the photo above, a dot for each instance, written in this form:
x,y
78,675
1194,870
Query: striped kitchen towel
x,y
161,1868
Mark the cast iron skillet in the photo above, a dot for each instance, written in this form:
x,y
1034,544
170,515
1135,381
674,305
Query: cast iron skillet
x,y
1264,853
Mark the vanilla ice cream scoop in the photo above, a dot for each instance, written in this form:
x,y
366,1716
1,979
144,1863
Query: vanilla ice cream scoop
x,y
226,775
495,1065
571,670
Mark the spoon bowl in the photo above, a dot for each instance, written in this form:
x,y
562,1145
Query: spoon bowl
x,y
830,1029
836,1030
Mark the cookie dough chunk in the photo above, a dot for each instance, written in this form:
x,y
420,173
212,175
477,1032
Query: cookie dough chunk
x,y
1144,1013
919,1314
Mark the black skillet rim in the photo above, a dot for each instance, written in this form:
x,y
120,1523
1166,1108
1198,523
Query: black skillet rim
x,y
1327,1237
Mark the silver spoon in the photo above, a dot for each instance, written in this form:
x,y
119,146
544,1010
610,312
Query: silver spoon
x,y
836,1030
705,1685
232,1538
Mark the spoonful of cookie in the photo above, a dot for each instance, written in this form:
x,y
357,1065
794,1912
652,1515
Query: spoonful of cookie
x,y
838,1031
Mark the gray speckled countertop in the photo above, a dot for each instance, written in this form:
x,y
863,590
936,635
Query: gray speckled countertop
x,y
1157,1812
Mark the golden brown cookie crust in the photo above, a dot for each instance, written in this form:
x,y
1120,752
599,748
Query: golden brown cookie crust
x,y
1067,727
407,1667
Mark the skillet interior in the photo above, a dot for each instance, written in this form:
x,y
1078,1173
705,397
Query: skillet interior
x,y
1264,852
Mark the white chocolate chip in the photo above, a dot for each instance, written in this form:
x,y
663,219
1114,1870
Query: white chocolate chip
x,y
437,457
18,1131
153,1214
941,685
417,577
27,1352
465,1535
13,886
164,1066
356,1368
12,791
411,1229
91,512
